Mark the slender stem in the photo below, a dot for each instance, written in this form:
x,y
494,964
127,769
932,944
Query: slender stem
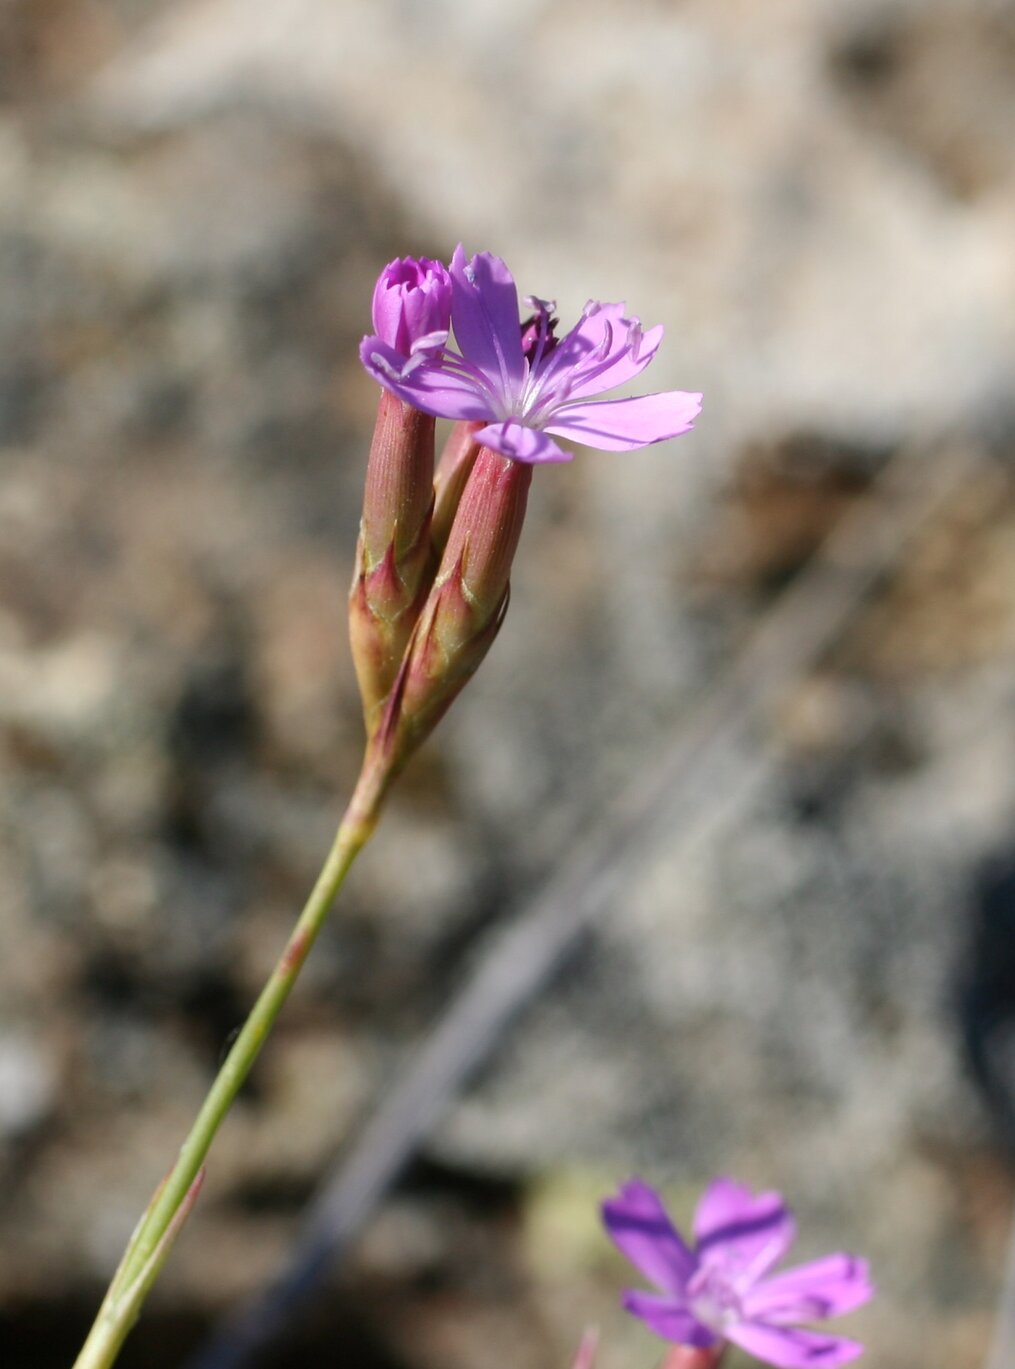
x,y
150,1243
120,1309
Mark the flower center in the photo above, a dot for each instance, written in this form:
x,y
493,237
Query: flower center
x,y
538,335
713,1298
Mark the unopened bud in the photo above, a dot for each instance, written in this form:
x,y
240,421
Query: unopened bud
x,y
485,532
398,494
394,558
412,302
465,607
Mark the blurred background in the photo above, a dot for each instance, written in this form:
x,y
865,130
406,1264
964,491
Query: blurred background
x,y
805,974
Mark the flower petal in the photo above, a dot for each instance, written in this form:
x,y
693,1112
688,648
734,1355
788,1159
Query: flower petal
x,y
740,1230
639,1227
668,1318
601,343
790,1348
484,315
620,425
822,1288
514,439
428,385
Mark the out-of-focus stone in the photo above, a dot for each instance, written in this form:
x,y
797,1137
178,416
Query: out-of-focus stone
x,y
28,1083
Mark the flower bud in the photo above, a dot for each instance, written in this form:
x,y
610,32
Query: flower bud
x,y
398,493
394,559
412,303
485,532
465,607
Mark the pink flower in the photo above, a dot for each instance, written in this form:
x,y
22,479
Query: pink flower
x,y
412,306
524,389
720,1289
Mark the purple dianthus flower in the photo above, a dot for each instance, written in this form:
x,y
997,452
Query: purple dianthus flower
x,y
720,1290
525,388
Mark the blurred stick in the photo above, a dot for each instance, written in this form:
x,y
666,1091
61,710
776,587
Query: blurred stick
x,y
680,796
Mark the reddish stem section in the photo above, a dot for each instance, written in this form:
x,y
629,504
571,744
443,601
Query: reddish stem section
x,y
691,1357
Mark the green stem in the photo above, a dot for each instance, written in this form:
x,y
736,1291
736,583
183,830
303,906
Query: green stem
x,y
150,1243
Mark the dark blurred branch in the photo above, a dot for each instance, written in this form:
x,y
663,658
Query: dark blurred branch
x,y
692,785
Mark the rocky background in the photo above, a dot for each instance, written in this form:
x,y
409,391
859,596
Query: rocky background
x,y
818,992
